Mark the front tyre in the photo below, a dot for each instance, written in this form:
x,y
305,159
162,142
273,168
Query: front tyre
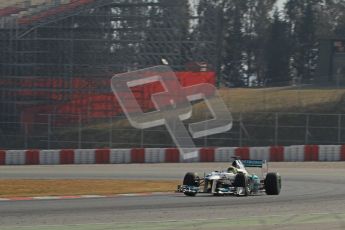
x,y
242,184
190,193
192,180
273,184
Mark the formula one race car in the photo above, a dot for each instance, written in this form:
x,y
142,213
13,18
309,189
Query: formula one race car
x,y
234,181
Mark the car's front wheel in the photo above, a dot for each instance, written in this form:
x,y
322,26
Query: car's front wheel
x,y
241,184
191,179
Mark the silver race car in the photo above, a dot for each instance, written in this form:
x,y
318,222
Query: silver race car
x,y
236,180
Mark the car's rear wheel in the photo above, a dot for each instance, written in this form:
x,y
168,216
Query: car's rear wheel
x,y
273,184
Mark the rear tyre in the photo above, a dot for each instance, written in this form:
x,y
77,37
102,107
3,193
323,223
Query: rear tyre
x,y
191,179
273,184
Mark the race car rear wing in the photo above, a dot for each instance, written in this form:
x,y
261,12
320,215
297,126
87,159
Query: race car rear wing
x,y
253,163
257,164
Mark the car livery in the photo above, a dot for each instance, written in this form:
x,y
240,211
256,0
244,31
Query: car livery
x,y
236,180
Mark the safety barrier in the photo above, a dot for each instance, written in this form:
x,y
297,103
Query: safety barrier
x,y
15,157
172,155
259,153
207,155
342,154
191,160
154,155
67,156
294,153
311,153
2,157
49,157
277,153
84,156
32,157
120,156
329,153
138,155
224,154
102,156
242,153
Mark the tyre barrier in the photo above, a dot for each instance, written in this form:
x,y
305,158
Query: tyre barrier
x,y
153,155
2,157
16,157
66,156
49,157
224,154
120,156
102,156
206,154
172,155
296,153
276,153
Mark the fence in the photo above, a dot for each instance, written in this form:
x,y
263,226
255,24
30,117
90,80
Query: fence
x,y
254,129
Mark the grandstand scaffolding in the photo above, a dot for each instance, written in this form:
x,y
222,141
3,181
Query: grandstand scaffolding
x,y
57,58
61,53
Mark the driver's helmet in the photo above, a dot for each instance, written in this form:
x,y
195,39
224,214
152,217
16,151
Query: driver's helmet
x,y
235,165
232,169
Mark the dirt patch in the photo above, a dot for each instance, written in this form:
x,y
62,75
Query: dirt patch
x,y
28,188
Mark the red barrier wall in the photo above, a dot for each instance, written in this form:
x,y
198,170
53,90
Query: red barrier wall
x,y
342,154
311,153
67,156
2,157
102,156
207,155
277,153
242,153
172,156
32,157
138,155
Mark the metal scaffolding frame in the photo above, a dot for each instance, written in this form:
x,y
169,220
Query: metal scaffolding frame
x,y
92,41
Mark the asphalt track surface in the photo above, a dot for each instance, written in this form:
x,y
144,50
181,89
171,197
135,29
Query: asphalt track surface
x,y
313,197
